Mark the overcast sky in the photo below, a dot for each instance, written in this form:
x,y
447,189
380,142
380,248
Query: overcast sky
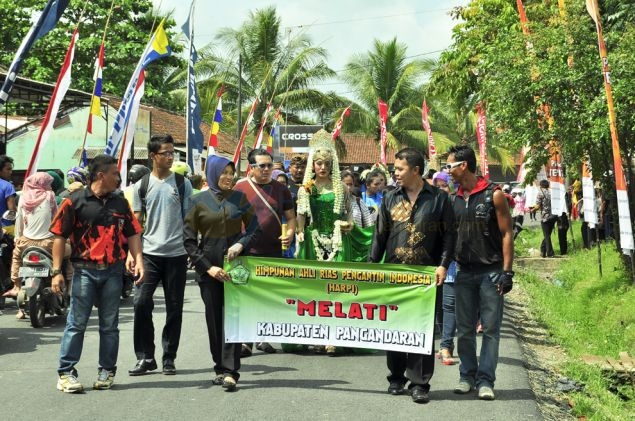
x,y
343,27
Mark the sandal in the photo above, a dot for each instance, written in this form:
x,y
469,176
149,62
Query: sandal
x,y
20,315
446,357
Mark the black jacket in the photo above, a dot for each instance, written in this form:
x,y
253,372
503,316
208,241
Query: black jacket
x,y
213,224
421,236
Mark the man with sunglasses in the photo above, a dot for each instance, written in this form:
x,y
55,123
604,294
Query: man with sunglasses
x,y
484,253
274,207
158,201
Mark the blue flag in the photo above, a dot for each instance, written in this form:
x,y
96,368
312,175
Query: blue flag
x,y
47,21
157,47
194,134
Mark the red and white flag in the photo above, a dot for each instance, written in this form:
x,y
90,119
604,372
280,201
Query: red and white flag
x,y
338,126
62,85
556,180
241,141
623,209
481,135
425,111
263,121
588,193
383,134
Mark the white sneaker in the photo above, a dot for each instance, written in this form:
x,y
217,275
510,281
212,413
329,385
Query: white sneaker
x,y
486,393
68,383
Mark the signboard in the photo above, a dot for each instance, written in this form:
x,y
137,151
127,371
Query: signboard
x,y
360,305
295,139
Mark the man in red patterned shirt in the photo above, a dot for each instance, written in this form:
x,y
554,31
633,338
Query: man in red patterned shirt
x,y
96,220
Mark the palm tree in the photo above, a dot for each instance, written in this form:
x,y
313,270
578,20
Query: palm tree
x,y
385,73
276,67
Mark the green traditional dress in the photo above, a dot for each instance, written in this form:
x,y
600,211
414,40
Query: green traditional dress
x,y
323,222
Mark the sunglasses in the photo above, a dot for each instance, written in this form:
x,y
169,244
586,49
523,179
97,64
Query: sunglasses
x,y
449,166
166,153
263,166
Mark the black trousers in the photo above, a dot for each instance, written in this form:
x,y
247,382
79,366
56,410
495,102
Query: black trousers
x,y
226,356
170,271
546,248
418,368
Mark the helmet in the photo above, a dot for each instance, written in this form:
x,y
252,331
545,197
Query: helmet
x,y
181,168
136,173
77,174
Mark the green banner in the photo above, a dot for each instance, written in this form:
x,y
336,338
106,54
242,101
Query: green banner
x,y
359,305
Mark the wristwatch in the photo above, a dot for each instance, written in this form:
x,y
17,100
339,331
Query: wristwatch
x,y
56,271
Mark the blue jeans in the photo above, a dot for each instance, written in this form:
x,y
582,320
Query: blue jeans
x,y
90,286
476,292
449,320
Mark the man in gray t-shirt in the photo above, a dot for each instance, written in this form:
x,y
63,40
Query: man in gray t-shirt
x,y
164,256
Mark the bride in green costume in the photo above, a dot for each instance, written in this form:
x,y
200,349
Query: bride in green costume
x,y
324,206
325,218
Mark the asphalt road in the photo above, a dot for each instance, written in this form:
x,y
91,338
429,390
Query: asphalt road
x,y
272,386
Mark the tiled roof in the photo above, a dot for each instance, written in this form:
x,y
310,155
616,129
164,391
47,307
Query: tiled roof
x,y
167,122
363,149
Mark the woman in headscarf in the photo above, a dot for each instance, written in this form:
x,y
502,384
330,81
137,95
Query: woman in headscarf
x,y
213,229
35,211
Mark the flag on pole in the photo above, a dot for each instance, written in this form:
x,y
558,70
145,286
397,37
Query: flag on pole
x,y
130,130
556,180
95,103
588,194
194,138
213,134
383,133
275,127
623,210
62,85
263,121
524,24
47,21
481,135
338,126
157,47
241,141
432,149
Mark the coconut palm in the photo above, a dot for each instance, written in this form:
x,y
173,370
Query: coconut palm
x,y
386,73
276,67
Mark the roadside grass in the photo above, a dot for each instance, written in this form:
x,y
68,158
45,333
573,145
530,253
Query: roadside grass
x,y
587,314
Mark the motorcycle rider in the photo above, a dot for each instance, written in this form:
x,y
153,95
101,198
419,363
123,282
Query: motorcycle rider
x,y
35,212
136,173
77,178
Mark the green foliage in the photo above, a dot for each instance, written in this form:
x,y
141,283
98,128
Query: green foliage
x,y
556,66
589,314
279,68
130,28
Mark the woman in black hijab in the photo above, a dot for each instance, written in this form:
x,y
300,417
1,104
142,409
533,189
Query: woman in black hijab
x,y
213,229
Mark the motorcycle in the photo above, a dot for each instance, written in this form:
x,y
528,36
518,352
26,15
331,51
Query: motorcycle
x,y
36,294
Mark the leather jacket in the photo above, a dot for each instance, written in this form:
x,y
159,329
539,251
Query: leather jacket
x,y
421,233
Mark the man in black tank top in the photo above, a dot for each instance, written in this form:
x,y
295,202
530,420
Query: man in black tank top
x,y
484,253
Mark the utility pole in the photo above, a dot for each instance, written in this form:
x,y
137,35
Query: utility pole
x,y
240,103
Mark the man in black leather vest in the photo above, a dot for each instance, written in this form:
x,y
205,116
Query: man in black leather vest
x,y
484,253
